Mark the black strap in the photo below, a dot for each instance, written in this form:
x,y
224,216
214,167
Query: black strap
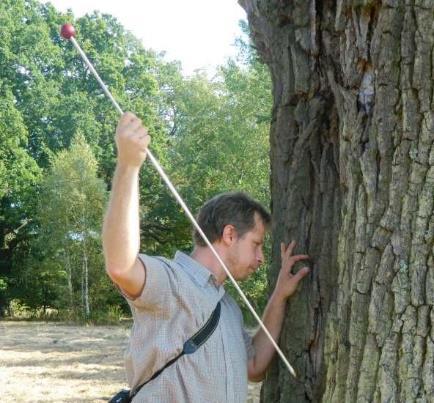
x,y
190,346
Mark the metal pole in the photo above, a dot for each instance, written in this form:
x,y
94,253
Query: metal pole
x,y
185,208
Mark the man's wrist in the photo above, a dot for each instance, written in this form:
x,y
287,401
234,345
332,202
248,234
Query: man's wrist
x,y
278,299
125,168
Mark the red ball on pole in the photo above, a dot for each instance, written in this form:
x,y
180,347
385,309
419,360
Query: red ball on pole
x,y
67,31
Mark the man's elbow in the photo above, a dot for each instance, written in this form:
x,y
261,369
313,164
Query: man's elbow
x,y
118,274
119,270
114,273
253,373
130,280
256,377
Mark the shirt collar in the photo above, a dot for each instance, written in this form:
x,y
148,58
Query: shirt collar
x,y
199,273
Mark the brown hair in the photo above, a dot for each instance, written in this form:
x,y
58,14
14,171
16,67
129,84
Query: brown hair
x,y
235,208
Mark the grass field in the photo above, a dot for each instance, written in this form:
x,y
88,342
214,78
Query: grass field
x,y
54,362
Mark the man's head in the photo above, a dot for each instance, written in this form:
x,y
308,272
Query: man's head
x,y
237,223
234,208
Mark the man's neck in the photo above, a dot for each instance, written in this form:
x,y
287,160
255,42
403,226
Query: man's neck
x,y
204,256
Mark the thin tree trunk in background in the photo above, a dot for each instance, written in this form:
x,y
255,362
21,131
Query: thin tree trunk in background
x,y
86,281
352,161
83,309
69,273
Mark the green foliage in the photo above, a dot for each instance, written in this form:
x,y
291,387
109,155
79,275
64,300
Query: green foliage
x,y
47,96
18,171
71,203
57,153
219,141
219,131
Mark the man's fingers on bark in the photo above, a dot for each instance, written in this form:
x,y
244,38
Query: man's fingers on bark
x,y
297,258
294,259
286,249
302,273
290,247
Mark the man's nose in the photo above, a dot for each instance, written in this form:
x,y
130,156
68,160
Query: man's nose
x,y
260,258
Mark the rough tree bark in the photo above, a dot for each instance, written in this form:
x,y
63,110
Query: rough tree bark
x,y
352,181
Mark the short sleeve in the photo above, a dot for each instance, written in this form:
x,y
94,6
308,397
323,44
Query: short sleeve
x,y
160,283
248,341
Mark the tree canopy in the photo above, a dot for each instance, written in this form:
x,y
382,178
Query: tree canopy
x,y
57,153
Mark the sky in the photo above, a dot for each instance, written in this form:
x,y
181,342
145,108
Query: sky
x,y
198,33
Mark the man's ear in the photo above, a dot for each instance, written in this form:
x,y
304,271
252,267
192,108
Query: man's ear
x,y
229,234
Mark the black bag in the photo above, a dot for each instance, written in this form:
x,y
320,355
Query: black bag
x,y
121,397
190,346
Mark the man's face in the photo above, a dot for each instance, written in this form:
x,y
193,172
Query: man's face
x,y
245,255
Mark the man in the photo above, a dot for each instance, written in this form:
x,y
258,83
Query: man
x,y
172,299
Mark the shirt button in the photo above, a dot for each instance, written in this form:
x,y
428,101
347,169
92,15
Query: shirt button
x,y
214,281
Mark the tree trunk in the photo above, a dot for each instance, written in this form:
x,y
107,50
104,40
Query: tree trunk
x,y
352,161
86,282
69,274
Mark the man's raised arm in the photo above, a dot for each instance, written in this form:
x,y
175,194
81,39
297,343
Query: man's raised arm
x,y
121,235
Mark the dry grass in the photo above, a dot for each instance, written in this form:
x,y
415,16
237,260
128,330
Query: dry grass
x,y
52,362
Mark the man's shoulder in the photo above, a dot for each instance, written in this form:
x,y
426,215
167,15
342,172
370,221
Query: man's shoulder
x,y
161,264
157,261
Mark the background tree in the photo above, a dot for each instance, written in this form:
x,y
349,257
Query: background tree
x,y
53,97
66,257
353,182
19,174
210,135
